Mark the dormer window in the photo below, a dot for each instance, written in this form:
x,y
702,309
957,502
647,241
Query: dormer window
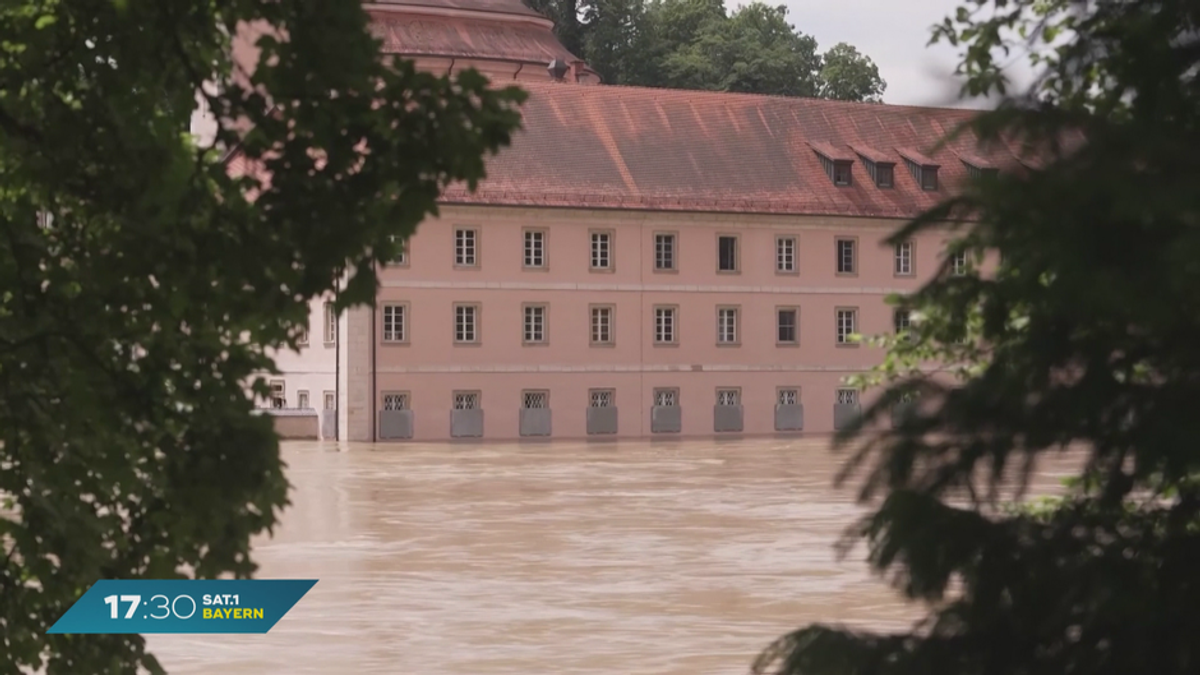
x,y
926,175
879,166
980,170
838,165
883,174
923,169
929,179
841,173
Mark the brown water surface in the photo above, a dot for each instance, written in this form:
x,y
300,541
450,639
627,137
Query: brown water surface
x,y
552,559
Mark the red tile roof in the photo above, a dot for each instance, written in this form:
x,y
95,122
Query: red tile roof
x,y
527,42
635,148
494,6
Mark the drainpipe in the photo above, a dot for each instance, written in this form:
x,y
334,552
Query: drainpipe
x,y
337,361
374,370
518,73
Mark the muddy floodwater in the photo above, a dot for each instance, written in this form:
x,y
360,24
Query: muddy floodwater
x,y
681,558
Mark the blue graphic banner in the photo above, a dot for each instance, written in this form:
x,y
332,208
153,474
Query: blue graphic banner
x,y
176,606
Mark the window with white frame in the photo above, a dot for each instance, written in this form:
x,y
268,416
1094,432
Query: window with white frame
x,y
729,397
601,398
847,325
785,254
788,396
535,248
395,323
664,251
466,400
904,259
847,262
331,324
302,399
958,263
847,396
534,324
727,325
395,401
466,323
330,400
787,325
664,325
901,320
466,247
602,250
602,325
278,394
401,257
535,399
666,398
302,337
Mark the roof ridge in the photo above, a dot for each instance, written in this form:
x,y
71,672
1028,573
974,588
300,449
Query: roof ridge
x,y
737,95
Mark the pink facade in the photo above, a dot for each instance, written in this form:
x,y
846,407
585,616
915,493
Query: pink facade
x,y
542,304
779,264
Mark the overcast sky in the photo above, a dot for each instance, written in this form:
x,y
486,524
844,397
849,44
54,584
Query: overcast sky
x,y
894,33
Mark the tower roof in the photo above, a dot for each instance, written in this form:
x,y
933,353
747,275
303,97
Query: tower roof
x,y
488,30
514,7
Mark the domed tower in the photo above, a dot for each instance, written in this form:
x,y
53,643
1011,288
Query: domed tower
x,y
502,39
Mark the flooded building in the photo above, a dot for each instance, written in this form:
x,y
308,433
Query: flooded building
x,y
640,263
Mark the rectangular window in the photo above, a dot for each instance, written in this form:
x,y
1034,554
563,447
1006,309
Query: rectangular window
x,y
847,325
841,173
602,325
929,178
278,394
466,248
727,325
535,400
904,259
787,326
601,398
302,338
666,398
534,324
847,396
884,175
602,251
785,255
400,259
302,399
466,400
331,324
395,401
788,396
330,401
395,323
901,320
846,259
958,263
466,324
664,252
727,253
535,248
730,397
664,325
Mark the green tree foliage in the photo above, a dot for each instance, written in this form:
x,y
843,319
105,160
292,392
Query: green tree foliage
x,y
1084,336
140,284
847,75
696,44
